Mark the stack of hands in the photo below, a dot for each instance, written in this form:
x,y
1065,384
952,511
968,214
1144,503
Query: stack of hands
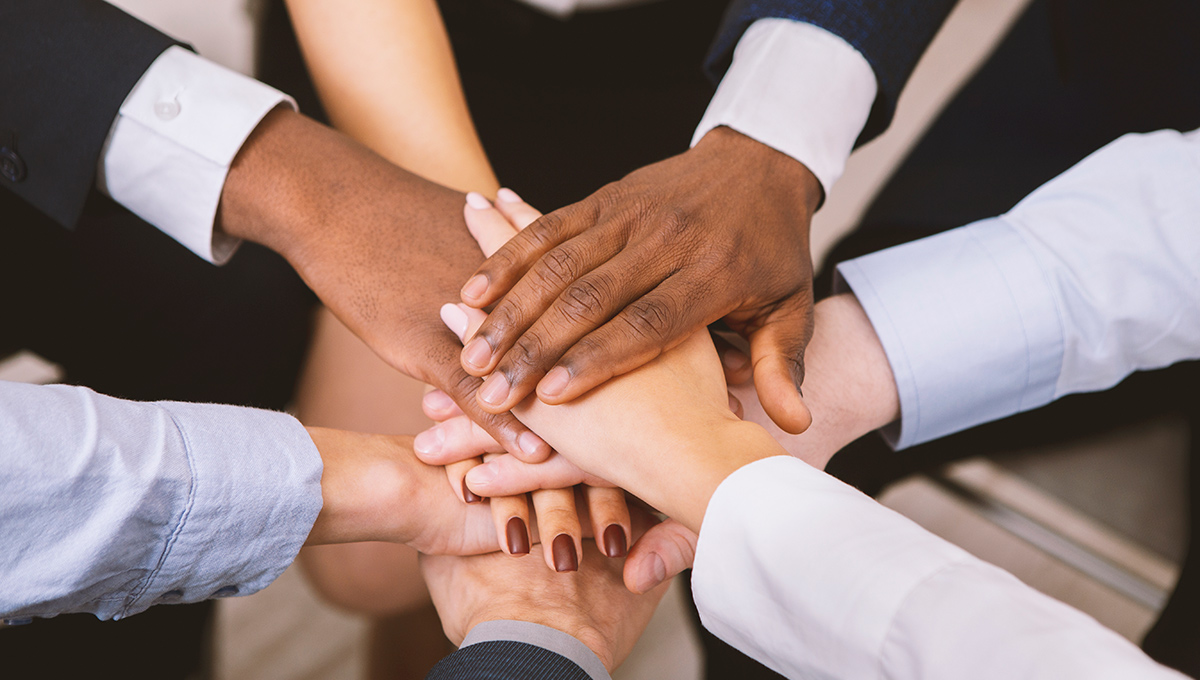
x,y
660,437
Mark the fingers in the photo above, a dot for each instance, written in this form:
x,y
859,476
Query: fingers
x,y
457,474
559,528
651,325
519,213
610,519
438,406
777,351
736,363
735,405
454,440
529,297
507,475
512,435
511,515
506,266
584,305
661,553
490,227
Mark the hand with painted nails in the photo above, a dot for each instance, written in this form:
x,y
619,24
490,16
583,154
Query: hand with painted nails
x,y
603,286
591,604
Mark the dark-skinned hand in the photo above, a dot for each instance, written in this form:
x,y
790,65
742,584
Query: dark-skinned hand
x,y
381,247
601,287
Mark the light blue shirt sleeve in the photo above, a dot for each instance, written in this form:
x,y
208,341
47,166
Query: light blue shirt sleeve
x,y
1093,276
110,506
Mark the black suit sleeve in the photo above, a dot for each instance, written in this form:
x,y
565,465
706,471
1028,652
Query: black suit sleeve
x,y
65,68
891,34
506,660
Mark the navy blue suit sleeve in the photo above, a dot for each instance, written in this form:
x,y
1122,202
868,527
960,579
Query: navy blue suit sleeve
x,y
890,34
506,660
66,67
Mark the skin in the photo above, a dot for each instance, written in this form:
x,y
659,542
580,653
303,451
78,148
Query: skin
x,y
604,286
851,389
374,489
380,246
592,604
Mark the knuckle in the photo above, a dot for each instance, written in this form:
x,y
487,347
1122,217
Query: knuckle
x,y
584,300
651,319
528,351
560,266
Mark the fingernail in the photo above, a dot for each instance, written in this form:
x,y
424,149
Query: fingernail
x,y
654,576
476,287
430,441
555,382
494,390
468,495
614,541
455,319
478,353
565,558
531,444
517,536
482,475
438,400
508,196
478,201
734,360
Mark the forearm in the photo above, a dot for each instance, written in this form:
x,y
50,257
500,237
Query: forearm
x,y
815,579
386,76
1091,277
109,506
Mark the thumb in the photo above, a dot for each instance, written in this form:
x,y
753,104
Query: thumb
x,y
662,552
777,352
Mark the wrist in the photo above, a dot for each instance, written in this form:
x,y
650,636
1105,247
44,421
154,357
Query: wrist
x,y
363,487
783,174
849,384
681,479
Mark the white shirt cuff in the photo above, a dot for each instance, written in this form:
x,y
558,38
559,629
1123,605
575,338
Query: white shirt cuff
x,y
171,146
829,585
969,324
798,89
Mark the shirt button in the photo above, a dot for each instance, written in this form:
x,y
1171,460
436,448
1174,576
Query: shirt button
x,y
24,621
227,591
167,109
171,596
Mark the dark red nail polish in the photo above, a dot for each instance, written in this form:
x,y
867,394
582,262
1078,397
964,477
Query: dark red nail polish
x,y
468,495
565,558
614,541
517,536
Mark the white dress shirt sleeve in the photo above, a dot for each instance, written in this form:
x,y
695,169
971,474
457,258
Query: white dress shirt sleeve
x,y
1091,277
816,580
800,90
110,506
171,146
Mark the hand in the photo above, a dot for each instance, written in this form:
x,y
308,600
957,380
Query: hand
x,y
603,286
592,604
374,489
850,388
381,247
561,510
